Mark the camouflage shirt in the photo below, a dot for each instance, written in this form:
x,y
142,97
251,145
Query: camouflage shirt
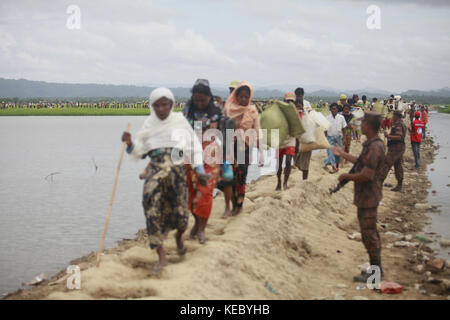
x,y
398,129
369,194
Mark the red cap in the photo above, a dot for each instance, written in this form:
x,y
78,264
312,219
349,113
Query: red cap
x,y
417,114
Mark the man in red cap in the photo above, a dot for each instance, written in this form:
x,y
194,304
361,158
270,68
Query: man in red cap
x,y
417,128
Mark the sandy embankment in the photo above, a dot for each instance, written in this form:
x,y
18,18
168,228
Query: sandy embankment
x,y
295,240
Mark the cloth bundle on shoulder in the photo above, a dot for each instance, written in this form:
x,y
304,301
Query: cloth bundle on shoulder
x,y
321,142
285,118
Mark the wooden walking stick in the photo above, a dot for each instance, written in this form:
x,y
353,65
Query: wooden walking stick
x,y
112,199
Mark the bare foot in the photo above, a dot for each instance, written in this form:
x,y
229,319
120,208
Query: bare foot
x,y
334,170
157,268
285,186
181,249
278,188
226,214
236,211
202,238
194,232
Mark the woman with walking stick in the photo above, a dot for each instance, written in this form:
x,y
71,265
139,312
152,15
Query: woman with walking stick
x,y
169,141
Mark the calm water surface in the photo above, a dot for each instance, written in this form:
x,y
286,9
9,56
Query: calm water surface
x,y
439,126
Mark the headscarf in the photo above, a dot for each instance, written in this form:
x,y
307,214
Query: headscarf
x,y
172,132
249,114
233,109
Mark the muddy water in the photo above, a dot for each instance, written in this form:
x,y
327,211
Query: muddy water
x,y
439,176
48,220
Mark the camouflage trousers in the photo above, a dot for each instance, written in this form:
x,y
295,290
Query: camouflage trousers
x,y
367,218
394,157
165,199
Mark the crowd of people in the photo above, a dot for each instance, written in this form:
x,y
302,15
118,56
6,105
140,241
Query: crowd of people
x,y
175,188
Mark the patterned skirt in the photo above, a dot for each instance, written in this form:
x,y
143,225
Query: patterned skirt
x,y
165,198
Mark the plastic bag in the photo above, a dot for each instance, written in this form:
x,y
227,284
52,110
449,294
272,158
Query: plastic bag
x,y
390,287
358,114
227,173
321,142
320,119
310,129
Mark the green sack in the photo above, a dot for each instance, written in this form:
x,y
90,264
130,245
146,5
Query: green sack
x,y
273,118
293,118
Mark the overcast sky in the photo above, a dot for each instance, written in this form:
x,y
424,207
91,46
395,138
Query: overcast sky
x,y
268,43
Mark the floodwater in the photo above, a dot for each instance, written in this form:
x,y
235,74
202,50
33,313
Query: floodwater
x,y
56,179
439,176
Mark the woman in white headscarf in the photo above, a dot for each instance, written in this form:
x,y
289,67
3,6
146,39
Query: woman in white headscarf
x,y
169,141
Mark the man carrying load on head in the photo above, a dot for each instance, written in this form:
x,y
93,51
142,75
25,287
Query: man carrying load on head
x,y
287,148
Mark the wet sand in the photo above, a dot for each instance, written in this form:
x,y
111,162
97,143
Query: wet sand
x,y
291,244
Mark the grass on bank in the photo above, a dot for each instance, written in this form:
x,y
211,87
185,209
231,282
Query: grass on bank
x,y
443,109
75,112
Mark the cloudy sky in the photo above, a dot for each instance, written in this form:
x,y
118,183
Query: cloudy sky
x,y
269,43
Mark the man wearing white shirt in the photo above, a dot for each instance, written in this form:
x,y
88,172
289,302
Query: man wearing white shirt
x,y
334,136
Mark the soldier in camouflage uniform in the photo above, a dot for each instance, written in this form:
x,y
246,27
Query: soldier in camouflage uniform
x,y
368,187
396,149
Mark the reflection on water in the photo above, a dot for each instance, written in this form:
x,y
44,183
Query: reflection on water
x,y
46,223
